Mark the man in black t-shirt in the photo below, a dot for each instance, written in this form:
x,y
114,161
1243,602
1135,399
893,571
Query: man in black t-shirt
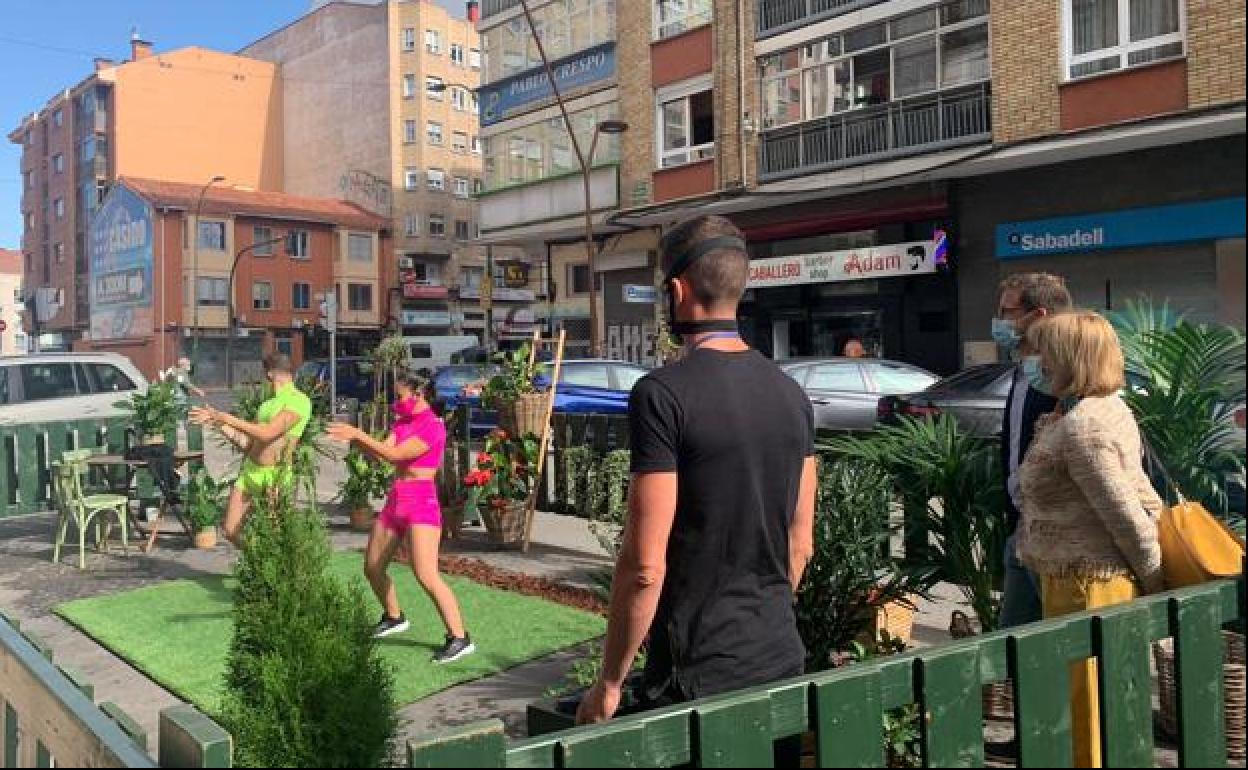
x,y
721,506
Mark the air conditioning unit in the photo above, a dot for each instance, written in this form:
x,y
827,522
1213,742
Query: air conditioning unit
x,y
407,263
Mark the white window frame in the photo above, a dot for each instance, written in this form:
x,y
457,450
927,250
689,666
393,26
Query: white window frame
x,y
474,58
436,222
58,163
433,41
436,96
407,39
411,226
58,207
459,142
476,144
690,21
411,179
1124,49
436,180
409,86
434,133
459,99
457,55
463,187
302,242
411,132
295,305
684,90
256,299
356,238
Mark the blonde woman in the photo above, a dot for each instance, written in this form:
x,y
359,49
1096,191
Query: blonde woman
x,y
1089,525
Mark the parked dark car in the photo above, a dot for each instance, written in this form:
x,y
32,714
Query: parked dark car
x,y
460,385
593,386
975,397
845,392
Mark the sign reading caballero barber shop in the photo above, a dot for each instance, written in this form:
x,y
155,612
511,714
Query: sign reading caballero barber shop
x,y
509,97
895,260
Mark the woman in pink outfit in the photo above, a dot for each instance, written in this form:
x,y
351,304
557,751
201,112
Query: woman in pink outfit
x,y
414,447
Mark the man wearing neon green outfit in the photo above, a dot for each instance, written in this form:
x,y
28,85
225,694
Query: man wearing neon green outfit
x,y
267,444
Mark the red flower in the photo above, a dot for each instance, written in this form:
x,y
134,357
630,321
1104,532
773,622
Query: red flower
x,y
484,459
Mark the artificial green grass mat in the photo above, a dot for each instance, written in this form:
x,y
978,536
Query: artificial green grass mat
x,y
178,633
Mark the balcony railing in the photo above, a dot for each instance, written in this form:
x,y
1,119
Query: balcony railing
x,y
776,16
906,127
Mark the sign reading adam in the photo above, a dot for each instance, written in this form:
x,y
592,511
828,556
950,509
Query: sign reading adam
x,y
120,249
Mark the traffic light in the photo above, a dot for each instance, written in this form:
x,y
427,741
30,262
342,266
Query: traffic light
x,y
329,312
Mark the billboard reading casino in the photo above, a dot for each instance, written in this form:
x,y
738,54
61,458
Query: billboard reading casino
x,y
120,250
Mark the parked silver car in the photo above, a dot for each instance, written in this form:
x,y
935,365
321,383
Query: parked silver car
x,y
846,392
46,387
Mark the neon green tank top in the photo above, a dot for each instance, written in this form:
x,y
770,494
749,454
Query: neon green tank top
x,y
287,398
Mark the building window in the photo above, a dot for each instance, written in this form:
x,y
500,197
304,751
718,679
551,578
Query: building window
x,y
211,235
58,118
675,17
459,142
411,179
284,344
437,180
262,241
462,187
542,149
411,225
58,253
359,297
212,292
478,187
301,296
58,163
578,279
433,41
261,295
474,58
917,53
298,244
408,39
409,86
58,206
426,274
360,247
433,130
30,220
437,226
462,231
1108,35
409,132
457,54
566,26
459,99
27,182
476,145
434,88
686,129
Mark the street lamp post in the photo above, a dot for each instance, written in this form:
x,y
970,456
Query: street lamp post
x,y
586,163
229,292
199,205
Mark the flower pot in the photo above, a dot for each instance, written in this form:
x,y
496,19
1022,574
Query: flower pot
x,y
206,539
362,519
153,440
505,524
523,416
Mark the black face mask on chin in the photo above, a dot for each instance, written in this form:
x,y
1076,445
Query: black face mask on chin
x,y
679,265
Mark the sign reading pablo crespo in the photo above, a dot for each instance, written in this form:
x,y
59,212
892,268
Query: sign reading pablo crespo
x,y
507,97
120,251
895,260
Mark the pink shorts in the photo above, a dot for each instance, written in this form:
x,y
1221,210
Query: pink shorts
x,y
411,503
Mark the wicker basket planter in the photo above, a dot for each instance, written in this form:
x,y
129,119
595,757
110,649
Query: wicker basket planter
x,y
896,619
1233,674
524,415
505,524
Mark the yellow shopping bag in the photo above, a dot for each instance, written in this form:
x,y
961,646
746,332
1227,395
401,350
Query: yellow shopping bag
x,y
1196,547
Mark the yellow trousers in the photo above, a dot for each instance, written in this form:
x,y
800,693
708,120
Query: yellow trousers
x,y
1066,595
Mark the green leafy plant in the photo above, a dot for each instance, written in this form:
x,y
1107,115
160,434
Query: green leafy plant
x,y
155,410
505,471
1185,381
205,500
389,358
514,379
851,574
356,490
608,500
955,481
901,725
305,684
584,673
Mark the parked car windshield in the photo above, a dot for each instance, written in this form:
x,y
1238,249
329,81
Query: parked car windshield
x,y
892,379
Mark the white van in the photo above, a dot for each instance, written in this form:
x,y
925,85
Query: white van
x,y
48,387
433,352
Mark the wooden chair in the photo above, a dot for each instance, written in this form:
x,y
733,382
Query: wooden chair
x,y
75,505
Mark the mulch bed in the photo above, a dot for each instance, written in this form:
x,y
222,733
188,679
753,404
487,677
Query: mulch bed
x,y
529,585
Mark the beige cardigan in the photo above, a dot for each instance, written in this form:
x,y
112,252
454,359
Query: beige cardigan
x,y
1089,510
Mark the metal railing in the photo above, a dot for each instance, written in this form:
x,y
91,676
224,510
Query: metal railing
x,y
905,127
776,16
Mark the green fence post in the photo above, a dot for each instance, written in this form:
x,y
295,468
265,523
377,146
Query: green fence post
x,y
1040,663
951,708
476,745
605,746
190,739
43,757
847,715
1196,624
79,680
1120,638
10,736
127,725
736,733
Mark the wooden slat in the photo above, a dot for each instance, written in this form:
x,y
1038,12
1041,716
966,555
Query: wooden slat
x,y
477,745
126,723
28,470
1121,640
847,715
735,733
621,745
1039,659
951,704
8,480
668,737
1198,659
43,757
536,753
11,725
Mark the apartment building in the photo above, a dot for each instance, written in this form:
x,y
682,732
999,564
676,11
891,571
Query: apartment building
x,y
13,337
163,256
380,108
150,116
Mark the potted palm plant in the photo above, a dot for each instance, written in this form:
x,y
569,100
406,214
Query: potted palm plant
x,y
357,490
501,483
204,501
514,394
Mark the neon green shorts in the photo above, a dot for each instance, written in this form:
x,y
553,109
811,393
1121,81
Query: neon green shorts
x,y
255,480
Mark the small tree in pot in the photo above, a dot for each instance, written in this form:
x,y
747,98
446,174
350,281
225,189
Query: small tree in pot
x,y
155,411
205,500
356,491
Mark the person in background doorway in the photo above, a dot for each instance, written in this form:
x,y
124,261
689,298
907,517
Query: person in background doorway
x,y
1089,525
854,348
1024,299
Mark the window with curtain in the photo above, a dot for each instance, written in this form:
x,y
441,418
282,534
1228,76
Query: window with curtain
x,y
360,247
675,17
1110,35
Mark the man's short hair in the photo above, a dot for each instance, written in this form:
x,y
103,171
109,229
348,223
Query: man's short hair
x,y
278,362
718,277
1040,290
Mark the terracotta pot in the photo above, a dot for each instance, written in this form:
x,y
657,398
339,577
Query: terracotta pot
x,y
206,539
362,519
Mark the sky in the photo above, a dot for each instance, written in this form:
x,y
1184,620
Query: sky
x,y
48,45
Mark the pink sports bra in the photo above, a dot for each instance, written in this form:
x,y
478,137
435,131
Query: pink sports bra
x,y
427,427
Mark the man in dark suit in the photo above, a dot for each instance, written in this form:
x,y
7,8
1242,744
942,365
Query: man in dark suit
x,y
1024,299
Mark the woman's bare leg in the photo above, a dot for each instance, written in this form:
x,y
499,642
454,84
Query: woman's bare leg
x,y
381,545
425,542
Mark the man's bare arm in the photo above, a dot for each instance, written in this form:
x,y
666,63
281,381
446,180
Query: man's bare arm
x,y
802,529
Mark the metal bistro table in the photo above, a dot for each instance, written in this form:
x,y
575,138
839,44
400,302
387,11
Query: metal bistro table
x,y
132,466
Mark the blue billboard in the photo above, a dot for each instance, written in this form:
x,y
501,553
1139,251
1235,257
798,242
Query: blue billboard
x,y
1155,225
507,98
121,272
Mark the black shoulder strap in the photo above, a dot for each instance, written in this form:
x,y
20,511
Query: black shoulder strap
x,y
698,250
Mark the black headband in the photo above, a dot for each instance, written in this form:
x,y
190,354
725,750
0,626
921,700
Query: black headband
x,y
701,249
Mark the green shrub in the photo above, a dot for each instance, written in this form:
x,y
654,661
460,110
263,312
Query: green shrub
x,y
305,685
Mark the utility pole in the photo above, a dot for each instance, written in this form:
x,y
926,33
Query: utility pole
x,y
487,298
329,320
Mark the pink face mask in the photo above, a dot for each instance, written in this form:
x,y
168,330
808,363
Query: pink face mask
x,y
405,409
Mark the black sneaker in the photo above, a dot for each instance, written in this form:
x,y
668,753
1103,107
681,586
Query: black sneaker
x,y
454,650
389,626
